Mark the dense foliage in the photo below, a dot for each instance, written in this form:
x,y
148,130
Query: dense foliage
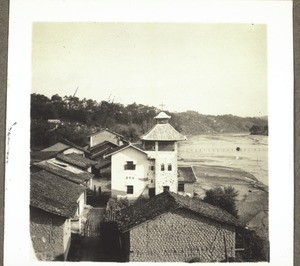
x,y
259,130
89,112
255,248
82,116
224,198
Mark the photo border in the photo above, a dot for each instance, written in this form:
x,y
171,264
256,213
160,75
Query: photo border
x,y
296,128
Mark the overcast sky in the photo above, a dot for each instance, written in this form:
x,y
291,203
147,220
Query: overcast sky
x,y
210,68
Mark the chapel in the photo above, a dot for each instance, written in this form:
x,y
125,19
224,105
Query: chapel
x,y
150,167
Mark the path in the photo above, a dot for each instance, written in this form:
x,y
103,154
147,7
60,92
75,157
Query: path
x,y
92,226
89,247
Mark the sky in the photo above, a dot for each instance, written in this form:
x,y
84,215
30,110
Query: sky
x,y
214,69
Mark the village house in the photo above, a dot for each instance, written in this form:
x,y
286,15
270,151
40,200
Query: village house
x,y
66,171
131,172
77,160
38,156
186,180
149,168
106,135
54,203
173,228
66,147
97,153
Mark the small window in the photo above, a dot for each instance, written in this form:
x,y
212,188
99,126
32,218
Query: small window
x,y
152,167
129,165
162,167
169,167
180,187
166,188
129,189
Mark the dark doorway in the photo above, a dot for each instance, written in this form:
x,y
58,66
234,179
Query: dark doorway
x,y
151,192
166,188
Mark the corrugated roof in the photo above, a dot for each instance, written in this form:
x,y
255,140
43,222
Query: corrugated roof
x,y
54,194
166,202
76,159
78,178
163,132
186,174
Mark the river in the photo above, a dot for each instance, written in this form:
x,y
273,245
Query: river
x,y
244,152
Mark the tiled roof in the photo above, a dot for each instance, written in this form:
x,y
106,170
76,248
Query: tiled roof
x,y
123,147
162,115
103,164
163,132
64,145
100,146
101,149
117,149
138,145
78,178
37,156
100,153
57,147
54,194
76,159
165,202
117,134
106,129
71,144
186,174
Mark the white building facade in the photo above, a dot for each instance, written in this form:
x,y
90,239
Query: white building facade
x,y
149,169
160,143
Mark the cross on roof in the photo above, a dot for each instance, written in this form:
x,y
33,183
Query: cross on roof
x,y
162,106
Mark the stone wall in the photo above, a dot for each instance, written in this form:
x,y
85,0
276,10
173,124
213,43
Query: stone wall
x,y
166,177
50,235
181,236
151,174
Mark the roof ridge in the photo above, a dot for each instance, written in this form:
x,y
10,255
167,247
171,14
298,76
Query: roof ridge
x,y
124,146
70,143
186,205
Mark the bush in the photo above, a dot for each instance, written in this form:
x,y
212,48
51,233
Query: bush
x,y
224,198
255,248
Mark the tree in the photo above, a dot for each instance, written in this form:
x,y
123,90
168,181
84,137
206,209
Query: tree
x,y
41,107
224,198
255,247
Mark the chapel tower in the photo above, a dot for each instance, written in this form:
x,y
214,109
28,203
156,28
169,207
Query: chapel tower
x,y
160,143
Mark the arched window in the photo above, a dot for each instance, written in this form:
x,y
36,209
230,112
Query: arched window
x,y
169,167
162,167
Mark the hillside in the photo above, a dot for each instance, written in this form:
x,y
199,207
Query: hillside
x,y
80,117
193,123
